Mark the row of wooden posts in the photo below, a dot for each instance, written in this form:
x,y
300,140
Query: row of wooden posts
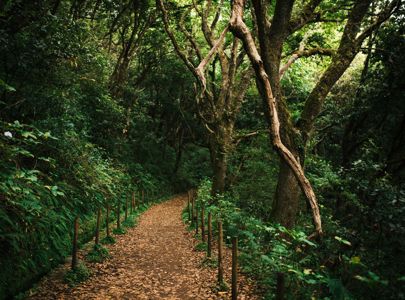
x,y
193,216
143,198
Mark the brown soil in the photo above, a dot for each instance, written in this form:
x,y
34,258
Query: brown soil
x,y
154,260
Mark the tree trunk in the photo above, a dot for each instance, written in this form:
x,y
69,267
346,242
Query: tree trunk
x,y
97,235
240,29
219,168
286,200
119,76
179,152
74,243
220,147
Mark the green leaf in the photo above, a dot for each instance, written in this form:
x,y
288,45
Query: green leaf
x,y
343,241
355,260
6,87
27,134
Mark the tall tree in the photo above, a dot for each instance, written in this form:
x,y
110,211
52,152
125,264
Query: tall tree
x,y
221,96
290,139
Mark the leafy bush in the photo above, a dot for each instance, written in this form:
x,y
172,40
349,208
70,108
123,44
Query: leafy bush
x,y
77,275
97,254
129,222
108,240
119,231
201,247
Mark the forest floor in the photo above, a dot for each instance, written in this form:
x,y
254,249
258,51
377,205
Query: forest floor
x,y
154,260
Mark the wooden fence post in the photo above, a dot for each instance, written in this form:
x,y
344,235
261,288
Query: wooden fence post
x,y
196,219
192,210
126,208
280,286
74,248
209,235
189,208
234,268
97,235
202,224
118,213
220,263
133,202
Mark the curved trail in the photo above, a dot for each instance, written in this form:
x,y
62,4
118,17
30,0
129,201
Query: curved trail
x,y
154,260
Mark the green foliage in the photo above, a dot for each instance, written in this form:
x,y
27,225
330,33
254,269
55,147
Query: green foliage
x,y
77,275
131,221
267,248
62,150
98,254
201,247
209,262
119,231
253,167
108,240
222,286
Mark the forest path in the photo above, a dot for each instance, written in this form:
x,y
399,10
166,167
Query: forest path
x,y
154,260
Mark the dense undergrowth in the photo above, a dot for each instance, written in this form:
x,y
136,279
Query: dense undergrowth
x,y
334,267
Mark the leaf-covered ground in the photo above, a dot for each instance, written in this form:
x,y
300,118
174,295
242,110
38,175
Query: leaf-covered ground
x,y
154,260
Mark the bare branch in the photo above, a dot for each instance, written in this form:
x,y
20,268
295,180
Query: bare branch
x,y
203,64
304,53
306,15
180,53
241,137
217,15
189,36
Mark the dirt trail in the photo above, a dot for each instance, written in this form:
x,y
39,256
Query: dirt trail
x,y
154,260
